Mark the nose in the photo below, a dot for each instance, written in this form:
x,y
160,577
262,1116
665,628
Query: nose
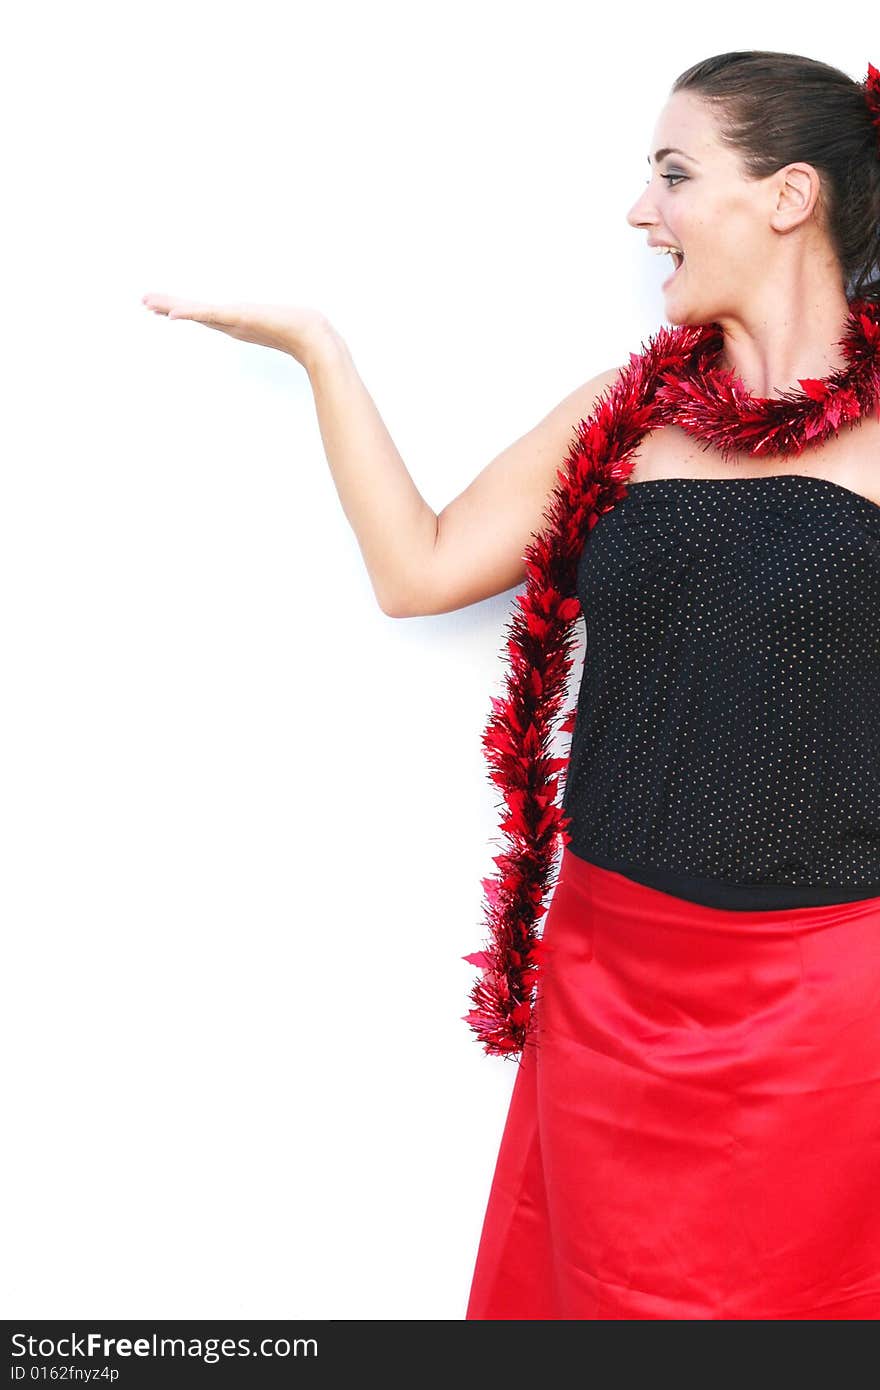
x,y
641,214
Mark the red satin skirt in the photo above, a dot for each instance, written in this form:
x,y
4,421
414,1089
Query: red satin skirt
x,y
694,1129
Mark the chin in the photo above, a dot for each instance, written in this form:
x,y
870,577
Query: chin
x,y
679,317
685,314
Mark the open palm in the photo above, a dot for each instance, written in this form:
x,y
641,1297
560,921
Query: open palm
x,y
289,328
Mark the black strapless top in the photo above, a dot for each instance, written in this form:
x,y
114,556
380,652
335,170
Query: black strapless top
x,y
727,741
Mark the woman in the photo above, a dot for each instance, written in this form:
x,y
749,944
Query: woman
x,y
694,1130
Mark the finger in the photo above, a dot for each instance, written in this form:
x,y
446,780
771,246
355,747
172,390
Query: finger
x,y
157,302
191,309
214,315
163,304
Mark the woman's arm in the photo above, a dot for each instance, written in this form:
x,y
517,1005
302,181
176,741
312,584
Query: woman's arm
x,y
418,562
394,526
482,534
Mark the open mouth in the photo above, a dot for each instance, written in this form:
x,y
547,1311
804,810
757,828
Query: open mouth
x,y
678,259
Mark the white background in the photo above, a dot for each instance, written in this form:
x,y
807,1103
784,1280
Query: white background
x,y
245,815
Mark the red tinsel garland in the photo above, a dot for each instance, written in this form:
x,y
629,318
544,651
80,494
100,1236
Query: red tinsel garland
x,y
672,381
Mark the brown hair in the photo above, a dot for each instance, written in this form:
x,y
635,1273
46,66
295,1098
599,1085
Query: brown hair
x,y
779,108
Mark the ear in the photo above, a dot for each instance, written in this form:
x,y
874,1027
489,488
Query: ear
x,y
798,189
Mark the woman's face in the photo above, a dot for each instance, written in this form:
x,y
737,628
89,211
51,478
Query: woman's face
x,y
725,223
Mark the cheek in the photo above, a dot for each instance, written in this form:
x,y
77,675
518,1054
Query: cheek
x,y
737,228
718,239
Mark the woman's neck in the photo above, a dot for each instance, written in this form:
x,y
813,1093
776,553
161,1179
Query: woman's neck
x,y
771,355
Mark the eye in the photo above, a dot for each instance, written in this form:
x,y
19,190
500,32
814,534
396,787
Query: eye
x,y
671,179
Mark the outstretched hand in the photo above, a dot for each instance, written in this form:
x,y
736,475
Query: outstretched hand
x,y
289,328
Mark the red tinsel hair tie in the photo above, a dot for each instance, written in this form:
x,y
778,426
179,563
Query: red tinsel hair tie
x,y
872,97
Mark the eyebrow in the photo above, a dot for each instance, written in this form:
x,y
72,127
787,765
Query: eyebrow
x,y
670,149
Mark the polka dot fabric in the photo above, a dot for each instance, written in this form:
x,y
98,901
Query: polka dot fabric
x,y
727,741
